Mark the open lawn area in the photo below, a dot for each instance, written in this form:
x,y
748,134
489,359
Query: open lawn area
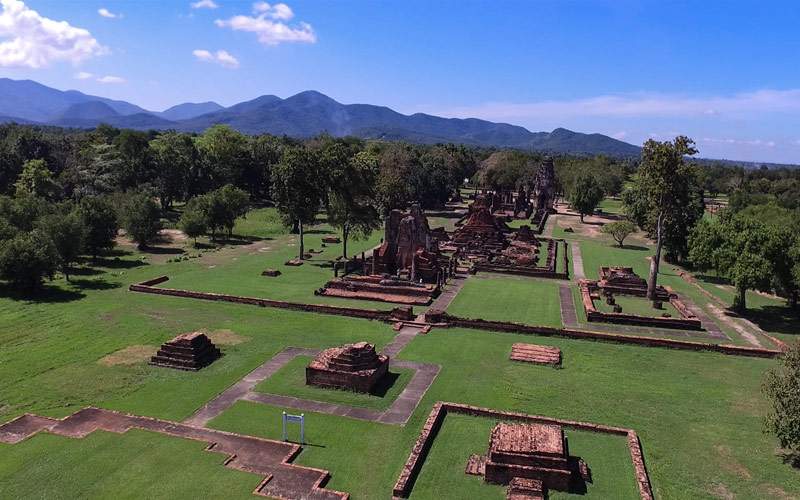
x,y
639,306
508,298
699,415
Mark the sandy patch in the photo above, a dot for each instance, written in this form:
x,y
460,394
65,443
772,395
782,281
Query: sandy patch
x,y
721,491
730,464
226,337
130,355
746,333
777,492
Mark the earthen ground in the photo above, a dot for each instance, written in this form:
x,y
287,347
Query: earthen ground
x,y
129,355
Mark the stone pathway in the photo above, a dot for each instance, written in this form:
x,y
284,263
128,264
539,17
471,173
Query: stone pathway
x,y
550,225
398,413
710,325
577,261
404,336
446,297
568,316
246,453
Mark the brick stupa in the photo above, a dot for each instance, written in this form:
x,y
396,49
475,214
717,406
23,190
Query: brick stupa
x,y
529,451
355,367
188,351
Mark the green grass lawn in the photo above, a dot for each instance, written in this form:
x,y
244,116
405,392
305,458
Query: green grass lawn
x,y
508,298
291,381
698,414
639,306
136,464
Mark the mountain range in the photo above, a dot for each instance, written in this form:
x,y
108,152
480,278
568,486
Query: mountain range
x,y
303,115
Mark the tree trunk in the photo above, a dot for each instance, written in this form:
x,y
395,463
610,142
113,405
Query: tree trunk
x,y
581,218
740,302
295,228
300,232
656,260
345,234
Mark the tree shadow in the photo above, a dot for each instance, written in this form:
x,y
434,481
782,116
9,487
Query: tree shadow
x,y
96,284
47,294
780,319
162,250
716,280
117,263
384,384
319,231
635,247
84,271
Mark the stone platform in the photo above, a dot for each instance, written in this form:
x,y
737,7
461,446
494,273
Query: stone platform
x,y
380,288
188,351
355,367
536,354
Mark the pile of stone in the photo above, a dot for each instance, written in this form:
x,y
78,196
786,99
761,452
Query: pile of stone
x,y
355,367
188,351
536,354
380,288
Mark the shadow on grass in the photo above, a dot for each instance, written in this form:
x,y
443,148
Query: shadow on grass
x,y
117,263
47,294
319,231
84,271
635,247
382,387
780,319
97,284
715,280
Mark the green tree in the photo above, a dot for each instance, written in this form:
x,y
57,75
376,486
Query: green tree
x,y
296,189
141,218
659,192
619,230
352,199
100,218
586,195
782,388
235,203
27,259
68,234
225,154
193,221
174,156
36,180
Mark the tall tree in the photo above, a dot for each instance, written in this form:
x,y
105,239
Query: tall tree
x,y
352,202
296,189
68,234
36,180
141,218
586,195
100,218
174,156
782,388
661,184
28,258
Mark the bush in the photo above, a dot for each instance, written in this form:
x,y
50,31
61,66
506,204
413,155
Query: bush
x,y
782,388
193,221
619,230
142,219
68,234
28,258
101,223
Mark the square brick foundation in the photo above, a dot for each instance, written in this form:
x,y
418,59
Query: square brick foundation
x,y
354,367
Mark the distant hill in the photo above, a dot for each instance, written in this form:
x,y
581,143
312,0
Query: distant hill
x,y
189,110
303,115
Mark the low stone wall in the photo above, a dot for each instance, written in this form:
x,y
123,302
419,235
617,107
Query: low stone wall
x,y
510,327
413,466
688,322
148,287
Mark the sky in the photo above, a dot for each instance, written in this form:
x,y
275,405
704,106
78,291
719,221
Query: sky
x,y
725,73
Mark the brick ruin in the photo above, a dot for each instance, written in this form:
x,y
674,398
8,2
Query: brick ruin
x,y
543,194
490,245
188,351
624,281
532,458
536,354
407,268
354,367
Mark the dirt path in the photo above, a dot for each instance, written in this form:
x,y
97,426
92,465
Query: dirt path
x,y
744,332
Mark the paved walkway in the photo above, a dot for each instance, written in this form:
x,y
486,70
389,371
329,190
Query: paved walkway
x,y
709,324
577,261
398,413
404,336
247,453
568,315
446,297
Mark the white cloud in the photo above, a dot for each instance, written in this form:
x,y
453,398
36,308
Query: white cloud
x,y
277,11
637,105
83,75
204,4
221,57
267,23
620,135
743,142
33,41
107,13
111,79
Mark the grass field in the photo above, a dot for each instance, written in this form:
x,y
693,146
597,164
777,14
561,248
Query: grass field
x,y
291,381
508,298
698,414
639,306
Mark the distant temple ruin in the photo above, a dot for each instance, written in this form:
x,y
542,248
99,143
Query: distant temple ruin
x,y
543,194
188,351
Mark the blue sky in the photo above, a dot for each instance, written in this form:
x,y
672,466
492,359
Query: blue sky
x,y
726,73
